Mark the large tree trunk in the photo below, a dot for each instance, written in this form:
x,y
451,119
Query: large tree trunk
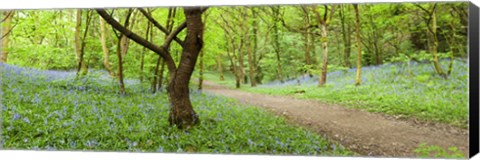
x,y
359,49
6,30
181,112
323,75
103,40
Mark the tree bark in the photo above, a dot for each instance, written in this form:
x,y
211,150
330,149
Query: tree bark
x,y
6,31
434,47
359,49
323,26
323,75
276,43
182,113
82,66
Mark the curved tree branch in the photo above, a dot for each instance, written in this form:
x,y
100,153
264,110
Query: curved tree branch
x,y
158,50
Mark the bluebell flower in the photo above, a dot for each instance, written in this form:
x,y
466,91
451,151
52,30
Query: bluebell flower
x,y
16,116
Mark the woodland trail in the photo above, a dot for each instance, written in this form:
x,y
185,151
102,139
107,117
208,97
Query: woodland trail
x,y
368,134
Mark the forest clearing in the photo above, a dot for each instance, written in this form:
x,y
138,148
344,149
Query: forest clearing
x,y
386,80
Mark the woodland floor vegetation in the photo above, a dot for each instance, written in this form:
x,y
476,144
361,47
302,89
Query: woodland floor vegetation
x,y
51,110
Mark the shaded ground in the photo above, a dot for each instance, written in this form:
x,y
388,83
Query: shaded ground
x,y
368,134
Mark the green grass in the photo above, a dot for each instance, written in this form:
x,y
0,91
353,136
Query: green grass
x,y
391,89
48,110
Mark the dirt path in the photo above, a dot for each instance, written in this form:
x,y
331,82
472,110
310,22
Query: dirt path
x,y
368,134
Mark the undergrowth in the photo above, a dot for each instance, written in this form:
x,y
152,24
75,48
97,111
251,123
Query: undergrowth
x,y
52,110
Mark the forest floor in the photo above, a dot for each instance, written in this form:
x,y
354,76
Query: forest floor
x,y
368,134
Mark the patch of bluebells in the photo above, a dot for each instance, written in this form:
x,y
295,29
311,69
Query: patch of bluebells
x,y
63,113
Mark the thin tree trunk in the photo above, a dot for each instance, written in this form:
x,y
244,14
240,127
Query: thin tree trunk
x,y
142,57
277,52
251,64
82,67
359,49
160,77
323,75
308,49
103,33
156,75
170,22
6,31
434,49
120,66
346,38
219,67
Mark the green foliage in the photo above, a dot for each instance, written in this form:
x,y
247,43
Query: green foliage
x,y
435,151
48,110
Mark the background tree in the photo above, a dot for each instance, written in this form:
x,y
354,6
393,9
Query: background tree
x,y
80,42
358,80
323,24
430,18
6,29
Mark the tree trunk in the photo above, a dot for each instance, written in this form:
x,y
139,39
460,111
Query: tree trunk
x,y
359,49
6,31
346,38
308,49
156,75
219,67
160,77
181,113
251,66
323,75
103,33
82,67
120,66
434,47
276,47
148,37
